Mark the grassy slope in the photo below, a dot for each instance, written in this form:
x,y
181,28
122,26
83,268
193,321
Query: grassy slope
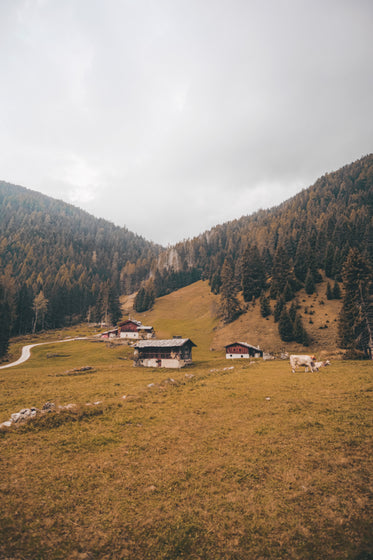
x,y
250,462
191,312
251,327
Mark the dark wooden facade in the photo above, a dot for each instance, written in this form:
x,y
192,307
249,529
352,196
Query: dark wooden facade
x,y
129,326
172,353
242,350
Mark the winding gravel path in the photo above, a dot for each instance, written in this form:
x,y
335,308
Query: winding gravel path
x,y
26,351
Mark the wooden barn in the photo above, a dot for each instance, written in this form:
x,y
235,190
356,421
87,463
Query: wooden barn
x,y
242,350
135,330
172,353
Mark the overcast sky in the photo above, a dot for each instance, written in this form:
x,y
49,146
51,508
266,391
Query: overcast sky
x,y
171,116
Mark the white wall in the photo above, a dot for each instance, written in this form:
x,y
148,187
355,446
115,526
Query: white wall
x,y
165,363
134,335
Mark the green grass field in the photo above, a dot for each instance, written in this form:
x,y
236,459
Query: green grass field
x,y
223,460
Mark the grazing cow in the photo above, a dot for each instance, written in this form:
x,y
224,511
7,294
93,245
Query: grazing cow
x,y
322,364
302,360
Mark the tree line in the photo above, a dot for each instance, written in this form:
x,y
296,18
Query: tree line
x,y
58,264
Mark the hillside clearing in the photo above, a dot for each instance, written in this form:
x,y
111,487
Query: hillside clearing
x,y
193,312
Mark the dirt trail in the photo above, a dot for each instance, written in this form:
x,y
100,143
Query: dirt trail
x,y
26,351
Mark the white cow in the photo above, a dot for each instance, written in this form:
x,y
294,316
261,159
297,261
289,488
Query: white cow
x,y
322,364
302,360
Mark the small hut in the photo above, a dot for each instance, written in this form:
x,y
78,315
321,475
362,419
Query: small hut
x,y
242,350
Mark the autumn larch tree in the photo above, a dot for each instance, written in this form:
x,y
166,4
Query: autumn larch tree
x,y
40,308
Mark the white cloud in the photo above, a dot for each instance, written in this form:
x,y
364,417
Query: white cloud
x,y
187,113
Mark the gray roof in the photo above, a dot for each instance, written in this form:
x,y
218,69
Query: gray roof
x,y
169,343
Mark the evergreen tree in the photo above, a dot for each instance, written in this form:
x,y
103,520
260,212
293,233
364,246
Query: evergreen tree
x,y
336,291
215,283
293,311
299,333
5,318
230,308
107,309
285,326
329,292
265,306
288,292
115,311
355,328
280,272
309,285
145,298
301,262
139,300
149,296
337,264
280,304
253,276
329,258
24,312
267,259
57,306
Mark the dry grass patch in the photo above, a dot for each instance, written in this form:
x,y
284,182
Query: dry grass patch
x,y
189,312
319,316
253,462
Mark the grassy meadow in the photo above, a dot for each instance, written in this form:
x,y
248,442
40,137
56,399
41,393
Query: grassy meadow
x,y
230,460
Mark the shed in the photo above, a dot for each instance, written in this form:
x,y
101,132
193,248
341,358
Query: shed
x,y
242,350
145,331
110,334
170,353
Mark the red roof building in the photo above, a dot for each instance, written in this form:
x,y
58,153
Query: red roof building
x,y
242,350
134,330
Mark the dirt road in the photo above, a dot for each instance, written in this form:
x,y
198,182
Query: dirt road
x,y
26,351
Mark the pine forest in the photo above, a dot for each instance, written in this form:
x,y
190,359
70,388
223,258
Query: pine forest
x,y
60,266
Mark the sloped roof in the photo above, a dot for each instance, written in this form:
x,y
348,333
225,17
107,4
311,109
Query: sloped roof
x,y
138,323
245,345
169,343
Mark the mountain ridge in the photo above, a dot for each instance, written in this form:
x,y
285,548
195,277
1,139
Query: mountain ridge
x,y
78,265
325,220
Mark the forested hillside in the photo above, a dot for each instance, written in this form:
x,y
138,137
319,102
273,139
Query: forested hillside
x,y
314,229
272,254
58,264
